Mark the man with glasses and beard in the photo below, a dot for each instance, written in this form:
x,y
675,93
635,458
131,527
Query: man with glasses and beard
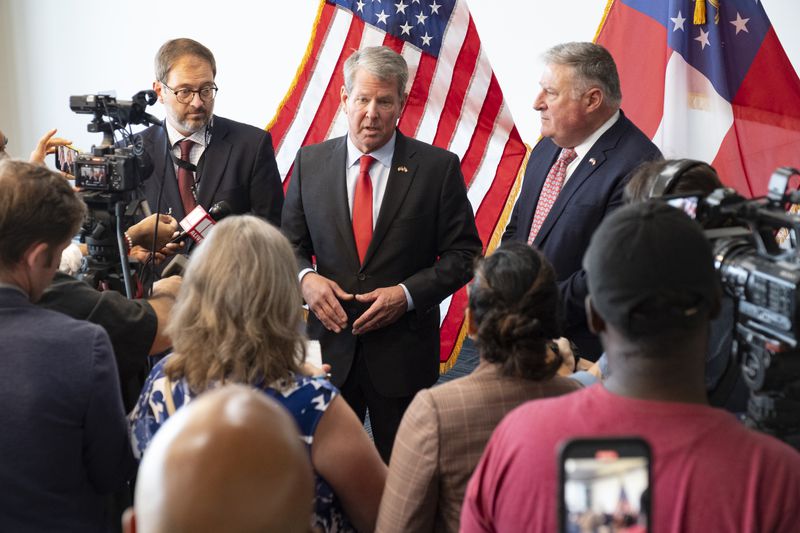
x,y
200,158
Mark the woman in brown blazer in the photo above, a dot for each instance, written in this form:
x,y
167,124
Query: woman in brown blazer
x,y
514,314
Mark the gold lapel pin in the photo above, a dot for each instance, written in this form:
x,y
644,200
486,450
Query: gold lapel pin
x,y
402,169
592,161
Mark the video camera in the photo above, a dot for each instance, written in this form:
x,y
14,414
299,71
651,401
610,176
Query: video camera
x,y
764,280
110,177
110,167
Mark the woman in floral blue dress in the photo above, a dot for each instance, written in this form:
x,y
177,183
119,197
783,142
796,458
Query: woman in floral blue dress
x,y
238,319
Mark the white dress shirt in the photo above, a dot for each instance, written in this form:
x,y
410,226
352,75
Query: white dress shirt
x,y
582,149
379,175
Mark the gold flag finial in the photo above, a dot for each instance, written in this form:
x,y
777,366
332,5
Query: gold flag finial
x,y
700,11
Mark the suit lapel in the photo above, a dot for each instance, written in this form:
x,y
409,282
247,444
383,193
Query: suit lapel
x,y
163,167
591,163
215,159
338,196
401,175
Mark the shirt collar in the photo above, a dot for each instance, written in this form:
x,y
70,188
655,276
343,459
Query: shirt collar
x,y
199,137
384,154
583,148
12,286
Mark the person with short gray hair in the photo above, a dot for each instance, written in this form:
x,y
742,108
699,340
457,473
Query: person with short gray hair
x,y
380,61
593,66
577,171
388,220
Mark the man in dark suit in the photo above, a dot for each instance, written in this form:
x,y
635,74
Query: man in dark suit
x,y
200,158
577,171
65,438
388,220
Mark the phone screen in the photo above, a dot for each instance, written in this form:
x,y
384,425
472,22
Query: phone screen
x,y
65,159
687,204
605,485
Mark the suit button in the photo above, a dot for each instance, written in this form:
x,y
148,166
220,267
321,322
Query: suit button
x,y
362,277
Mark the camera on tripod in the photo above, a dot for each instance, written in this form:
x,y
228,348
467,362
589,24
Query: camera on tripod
x,y
110,177
109,167
763,277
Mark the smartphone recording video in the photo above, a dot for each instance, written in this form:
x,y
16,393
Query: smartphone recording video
x,y
65,159
605,486
687,204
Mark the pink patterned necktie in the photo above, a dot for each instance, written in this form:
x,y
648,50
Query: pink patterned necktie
x,y
186,178
550,189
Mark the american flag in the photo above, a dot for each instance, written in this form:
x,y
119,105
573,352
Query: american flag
x,y
708,80
454,102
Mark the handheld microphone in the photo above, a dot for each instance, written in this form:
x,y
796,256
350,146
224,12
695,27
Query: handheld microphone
x,y
199,223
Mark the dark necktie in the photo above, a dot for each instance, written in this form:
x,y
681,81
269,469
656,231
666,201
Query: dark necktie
x,y
186,178
362,207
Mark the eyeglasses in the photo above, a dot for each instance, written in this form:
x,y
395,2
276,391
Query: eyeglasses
x,y
185,96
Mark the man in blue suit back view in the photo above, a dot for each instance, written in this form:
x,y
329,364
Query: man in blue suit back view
x,y
63,433
577,171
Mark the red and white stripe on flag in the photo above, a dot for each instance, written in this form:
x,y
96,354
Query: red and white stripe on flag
x,y
454,102
720,90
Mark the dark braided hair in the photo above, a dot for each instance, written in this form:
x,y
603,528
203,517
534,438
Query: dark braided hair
x,y
515,306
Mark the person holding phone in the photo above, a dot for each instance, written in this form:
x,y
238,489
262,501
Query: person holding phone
x,y
652,292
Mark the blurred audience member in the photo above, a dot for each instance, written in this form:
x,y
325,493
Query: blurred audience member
x,y
652,293
513,315
231,461
64,440
238,319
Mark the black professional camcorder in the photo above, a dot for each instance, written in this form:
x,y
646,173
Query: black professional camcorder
x,y
110,167
764,279
110,179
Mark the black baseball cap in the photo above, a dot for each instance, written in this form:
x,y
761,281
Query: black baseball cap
x,y
650,270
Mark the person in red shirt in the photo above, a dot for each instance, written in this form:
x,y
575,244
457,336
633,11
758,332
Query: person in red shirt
x,y
652,293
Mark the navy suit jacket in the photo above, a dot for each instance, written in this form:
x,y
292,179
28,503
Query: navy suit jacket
x,y
63,432
425,237
593,190
238,167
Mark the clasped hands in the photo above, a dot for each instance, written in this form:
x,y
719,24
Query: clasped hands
x,y
323,297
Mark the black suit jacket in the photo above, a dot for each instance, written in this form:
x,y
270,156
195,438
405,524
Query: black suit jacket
x,y
593,190
238,167
425,237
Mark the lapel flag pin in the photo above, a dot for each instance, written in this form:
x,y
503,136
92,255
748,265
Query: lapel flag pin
x,y
402,169
592,161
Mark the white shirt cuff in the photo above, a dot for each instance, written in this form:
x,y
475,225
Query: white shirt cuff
x,y
408,298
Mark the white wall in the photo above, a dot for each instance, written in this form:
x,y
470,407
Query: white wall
x,y
51,49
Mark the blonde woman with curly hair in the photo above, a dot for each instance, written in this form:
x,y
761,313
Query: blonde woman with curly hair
x,y
238,319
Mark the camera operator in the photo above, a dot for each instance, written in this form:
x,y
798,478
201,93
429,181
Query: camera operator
x,y
683,177
136,327
691,178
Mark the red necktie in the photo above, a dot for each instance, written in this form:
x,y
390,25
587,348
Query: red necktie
x,y
186,178
550,189
362,207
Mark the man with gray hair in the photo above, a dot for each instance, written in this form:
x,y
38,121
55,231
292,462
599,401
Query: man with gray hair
x,y
388,220
577,171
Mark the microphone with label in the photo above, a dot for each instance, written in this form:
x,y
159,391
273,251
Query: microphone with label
x,y
199,223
